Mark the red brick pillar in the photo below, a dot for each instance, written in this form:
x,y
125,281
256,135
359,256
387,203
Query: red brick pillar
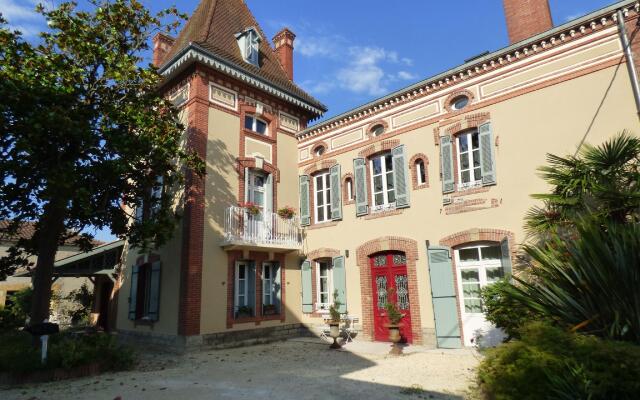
x,y
527,18
283,42
162,44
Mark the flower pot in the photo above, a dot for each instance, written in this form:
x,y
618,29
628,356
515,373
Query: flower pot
x,y
394,333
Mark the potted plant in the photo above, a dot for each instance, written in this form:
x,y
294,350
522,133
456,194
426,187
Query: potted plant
x,y
269,309
244,312
286,212
395,317
334,321
252,208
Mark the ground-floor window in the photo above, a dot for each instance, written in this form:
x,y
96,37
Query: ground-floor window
x,y
144,298
270,289
324,284
478,266
245,289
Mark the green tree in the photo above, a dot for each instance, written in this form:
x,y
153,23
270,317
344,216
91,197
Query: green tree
x,y
602,183
85,134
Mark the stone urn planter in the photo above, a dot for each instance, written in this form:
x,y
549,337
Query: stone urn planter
x,y
334,332
395,338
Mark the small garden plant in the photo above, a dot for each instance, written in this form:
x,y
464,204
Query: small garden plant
x,y
287,212
394,315
334,309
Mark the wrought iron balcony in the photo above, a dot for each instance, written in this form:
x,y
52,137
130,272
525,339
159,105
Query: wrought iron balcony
x,y
266,229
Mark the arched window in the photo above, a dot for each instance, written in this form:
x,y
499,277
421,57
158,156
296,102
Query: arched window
x,y
348,188
421,173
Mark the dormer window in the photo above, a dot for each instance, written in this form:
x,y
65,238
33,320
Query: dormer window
x,y
249,43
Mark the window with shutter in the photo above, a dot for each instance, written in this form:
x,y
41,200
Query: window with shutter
x,y
154,292
487,155
270,289
133,292
307,295
446,164
362,200
323,189
336,194
305,218
400,177
244,289
340,283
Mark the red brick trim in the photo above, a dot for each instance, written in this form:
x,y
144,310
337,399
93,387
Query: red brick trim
x,y
368,131
321,143
319,166
258,258
471,205
373,149
321,225
414,171
314,256
389,243
345,193
193,219
457,93
323,252
382,214
470,121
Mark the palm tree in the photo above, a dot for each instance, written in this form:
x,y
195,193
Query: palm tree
x,y
602,183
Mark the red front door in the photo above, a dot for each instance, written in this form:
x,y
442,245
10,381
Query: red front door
x,y
390,284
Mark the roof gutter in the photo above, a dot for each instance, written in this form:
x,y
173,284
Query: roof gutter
x,y
631,66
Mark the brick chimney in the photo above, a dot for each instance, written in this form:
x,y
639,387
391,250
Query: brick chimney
x,y
161,45
527,18
283,42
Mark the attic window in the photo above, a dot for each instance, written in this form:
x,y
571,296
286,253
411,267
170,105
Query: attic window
x,y
459,102
377,130
249,43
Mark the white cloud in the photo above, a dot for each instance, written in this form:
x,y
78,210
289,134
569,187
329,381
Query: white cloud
x,y
406,76
22,16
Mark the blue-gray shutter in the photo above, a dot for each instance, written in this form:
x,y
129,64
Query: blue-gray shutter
x,y
133,292
506,257
251,287
446,164
247,182
443,296
400,174
154,291
487,156
340,283
307,294
305,216
336,193
362,198
268,194
276,286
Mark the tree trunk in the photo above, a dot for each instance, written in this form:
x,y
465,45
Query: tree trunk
x,y
50,229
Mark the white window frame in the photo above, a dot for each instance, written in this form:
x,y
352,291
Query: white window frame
x,y
267,284
480,265
252,189
324,307
386,205
472,182
325,192
254,124
421,174
237,280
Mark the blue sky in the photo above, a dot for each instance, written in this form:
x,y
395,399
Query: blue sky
x,y
350,52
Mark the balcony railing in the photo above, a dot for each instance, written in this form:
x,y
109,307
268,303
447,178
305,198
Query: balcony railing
x,y
264,229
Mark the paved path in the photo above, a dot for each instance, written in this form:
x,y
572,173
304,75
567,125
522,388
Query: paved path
x,y
296,369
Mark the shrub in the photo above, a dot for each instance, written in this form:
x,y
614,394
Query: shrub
x,y
66,350
549,363
15,315
503,311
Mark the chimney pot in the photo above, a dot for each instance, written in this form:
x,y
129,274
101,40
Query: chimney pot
x,y
162,44
527,18
283,42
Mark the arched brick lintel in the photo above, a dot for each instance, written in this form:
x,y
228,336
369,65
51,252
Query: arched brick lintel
x,y
389,243
323,252
478,235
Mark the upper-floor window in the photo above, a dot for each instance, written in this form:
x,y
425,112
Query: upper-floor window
x,y
377,130
459,102
382,181
421,173
322,186
349,188
469,166
252,123
249,43
149,206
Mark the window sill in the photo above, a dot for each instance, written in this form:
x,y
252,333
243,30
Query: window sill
x,y
143,322
384,213
257,136
321,225
257,320
420,186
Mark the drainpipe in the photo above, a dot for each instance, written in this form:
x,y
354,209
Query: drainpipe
x,y
631,66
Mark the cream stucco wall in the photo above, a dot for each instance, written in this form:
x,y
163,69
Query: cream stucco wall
x,y
551,120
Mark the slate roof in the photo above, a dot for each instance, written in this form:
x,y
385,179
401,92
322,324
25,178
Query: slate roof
x,y
26,231
213,26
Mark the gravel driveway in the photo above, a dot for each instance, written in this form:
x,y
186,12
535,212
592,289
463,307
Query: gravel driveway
x,y
296,369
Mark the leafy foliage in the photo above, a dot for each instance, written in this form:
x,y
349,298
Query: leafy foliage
x,y
334,309
601,182
67,350
394,315
82,300
15,314
550,363
503,311
84,131
590,283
